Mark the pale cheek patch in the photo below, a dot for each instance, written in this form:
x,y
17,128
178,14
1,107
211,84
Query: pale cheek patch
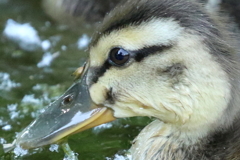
x,y
205,88
98,93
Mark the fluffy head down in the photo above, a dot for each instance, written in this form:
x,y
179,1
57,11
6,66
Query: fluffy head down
x,y
181,68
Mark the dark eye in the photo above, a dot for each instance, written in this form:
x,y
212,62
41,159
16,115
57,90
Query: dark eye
x,y
118,56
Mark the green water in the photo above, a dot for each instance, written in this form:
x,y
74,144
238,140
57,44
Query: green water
x,y
43,85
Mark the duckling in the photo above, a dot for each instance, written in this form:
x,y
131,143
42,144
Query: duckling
x,y
171,60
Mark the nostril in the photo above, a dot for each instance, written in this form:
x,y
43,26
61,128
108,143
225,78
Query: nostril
x,y
67,99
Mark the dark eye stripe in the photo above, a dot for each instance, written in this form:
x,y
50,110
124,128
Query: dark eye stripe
x,y
139,55
146,51
99,71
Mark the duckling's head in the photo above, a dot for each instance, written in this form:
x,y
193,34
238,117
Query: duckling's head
x,y
160,58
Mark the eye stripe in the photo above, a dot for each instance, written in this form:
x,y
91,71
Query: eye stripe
x,y
146,51
99,71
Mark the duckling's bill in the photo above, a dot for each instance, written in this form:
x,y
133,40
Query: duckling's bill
x,y
73,112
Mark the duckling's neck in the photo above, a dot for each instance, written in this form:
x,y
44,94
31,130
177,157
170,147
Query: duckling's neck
x,y
160,141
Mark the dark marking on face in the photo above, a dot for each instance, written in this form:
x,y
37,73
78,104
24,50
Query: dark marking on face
x,y
110,96
173,74
146,51
99,71
174,70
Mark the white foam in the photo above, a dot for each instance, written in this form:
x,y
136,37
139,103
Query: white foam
x,y
46,45
102,127
71,156
18,151
30,99
2,141
54,148
23,34
120,157
14,115
38,87
12,107
126,156
8,127
6,83
47,59
64,48
83,41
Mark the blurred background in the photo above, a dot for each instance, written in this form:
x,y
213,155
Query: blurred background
x,y
41,44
